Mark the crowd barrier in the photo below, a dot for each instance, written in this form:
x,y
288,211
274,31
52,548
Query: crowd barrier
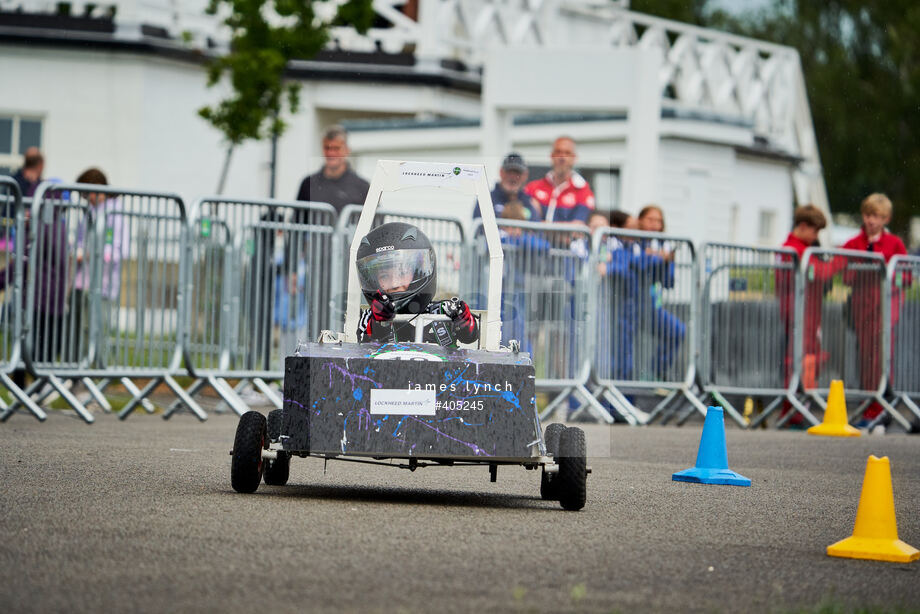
x,y
103,266
644,319
747,327
902,278
258,283
544,302
842,334
119,285
12,235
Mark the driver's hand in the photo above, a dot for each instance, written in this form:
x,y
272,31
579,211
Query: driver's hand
x,y
460,313
382,308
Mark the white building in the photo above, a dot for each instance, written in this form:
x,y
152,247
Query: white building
x,y
714,128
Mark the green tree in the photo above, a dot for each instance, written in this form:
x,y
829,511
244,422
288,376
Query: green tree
x,y
265,36
861,62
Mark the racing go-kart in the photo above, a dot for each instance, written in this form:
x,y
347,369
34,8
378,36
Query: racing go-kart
x,y
413,404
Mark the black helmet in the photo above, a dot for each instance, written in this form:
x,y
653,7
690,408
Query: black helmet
x,y
397,259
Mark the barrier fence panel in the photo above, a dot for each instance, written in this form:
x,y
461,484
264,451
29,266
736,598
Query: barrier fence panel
x,y
904,285
544,302
446,234
747,321
843,325
103,292
12,250
259,282
645,309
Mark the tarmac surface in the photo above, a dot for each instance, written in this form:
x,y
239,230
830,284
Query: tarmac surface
x,y
139,516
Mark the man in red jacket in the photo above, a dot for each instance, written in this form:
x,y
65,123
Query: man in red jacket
x,y
563,194
866,292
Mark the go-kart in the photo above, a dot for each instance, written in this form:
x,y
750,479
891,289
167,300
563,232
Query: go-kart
x,y
413,404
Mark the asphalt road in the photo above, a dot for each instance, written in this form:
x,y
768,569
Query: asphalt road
x,y
139,516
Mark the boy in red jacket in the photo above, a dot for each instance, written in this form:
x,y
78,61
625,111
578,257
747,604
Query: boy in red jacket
x,y
808,221
872,237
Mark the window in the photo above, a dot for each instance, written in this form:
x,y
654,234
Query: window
x,y
6,135
17,134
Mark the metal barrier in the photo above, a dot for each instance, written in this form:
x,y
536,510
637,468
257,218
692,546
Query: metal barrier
x,y
844,335
903,280
445,233
544,302
747,327
13,238
644,315
102,298
122,285
259,282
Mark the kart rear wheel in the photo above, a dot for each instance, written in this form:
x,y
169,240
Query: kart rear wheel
x,y
551,438
274,426
246,465
571,481
277,471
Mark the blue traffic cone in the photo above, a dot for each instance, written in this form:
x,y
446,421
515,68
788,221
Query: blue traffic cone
x,y
712,458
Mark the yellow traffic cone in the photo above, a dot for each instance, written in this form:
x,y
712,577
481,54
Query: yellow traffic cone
x,y
875,534
835,416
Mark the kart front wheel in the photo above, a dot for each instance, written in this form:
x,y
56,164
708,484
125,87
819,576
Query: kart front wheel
x,y
551,438
246,465
571,481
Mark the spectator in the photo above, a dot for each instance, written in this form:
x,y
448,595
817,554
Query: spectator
x,y
654,266
108,211
336,183
866,294
807,221
621,219
510,189
563,194
30,175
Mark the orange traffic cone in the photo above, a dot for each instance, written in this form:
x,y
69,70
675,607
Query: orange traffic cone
x,y
875,534
835,416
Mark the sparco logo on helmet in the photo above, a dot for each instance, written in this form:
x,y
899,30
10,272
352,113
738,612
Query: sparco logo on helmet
x,y
385,248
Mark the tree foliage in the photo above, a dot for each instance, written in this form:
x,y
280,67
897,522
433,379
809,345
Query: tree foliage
x,y
862,70
265,36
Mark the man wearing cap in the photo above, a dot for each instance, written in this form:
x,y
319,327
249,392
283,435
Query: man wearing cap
x,y
510,189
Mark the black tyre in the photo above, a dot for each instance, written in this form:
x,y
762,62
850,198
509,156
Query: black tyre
x,y
274,426
277,471
246,466
551,438
548,490
571,481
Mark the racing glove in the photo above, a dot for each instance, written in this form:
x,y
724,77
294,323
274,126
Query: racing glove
x,y
382,309
459,312
374,322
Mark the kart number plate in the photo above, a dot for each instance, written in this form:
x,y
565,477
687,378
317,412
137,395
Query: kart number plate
x,y
402,402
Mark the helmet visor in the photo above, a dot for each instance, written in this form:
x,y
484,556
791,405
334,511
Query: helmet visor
x,y
395,272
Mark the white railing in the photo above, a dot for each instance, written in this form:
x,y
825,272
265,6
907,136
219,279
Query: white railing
x,y
703,70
